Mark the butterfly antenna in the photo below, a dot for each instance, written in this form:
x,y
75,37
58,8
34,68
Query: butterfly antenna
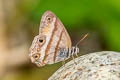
x,y
82,39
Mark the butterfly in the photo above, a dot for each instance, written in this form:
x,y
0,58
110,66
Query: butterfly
x,y
53,43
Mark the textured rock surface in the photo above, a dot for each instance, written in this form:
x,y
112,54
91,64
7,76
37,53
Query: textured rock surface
x,y
103,65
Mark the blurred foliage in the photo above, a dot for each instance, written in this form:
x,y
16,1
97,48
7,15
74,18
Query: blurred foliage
x,y
101,15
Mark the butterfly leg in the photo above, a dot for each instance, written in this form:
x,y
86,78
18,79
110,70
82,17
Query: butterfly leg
x,y
63,63
73,58
76,51
76,55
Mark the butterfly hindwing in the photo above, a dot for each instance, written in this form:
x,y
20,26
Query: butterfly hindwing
x,y
52,37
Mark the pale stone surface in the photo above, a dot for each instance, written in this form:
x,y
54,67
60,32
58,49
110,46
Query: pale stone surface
x,y
103,65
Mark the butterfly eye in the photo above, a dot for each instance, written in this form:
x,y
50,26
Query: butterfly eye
x,y
36,56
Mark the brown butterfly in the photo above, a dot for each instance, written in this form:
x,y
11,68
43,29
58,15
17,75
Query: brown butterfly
x,y
53,43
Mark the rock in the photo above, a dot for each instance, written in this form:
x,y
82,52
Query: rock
x,y
103,65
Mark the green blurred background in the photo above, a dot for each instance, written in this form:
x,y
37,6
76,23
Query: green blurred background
x,y
19,23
